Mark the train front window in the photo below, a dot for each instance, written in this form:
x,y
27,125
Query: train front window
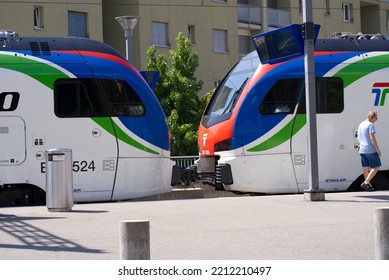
x,y
228,92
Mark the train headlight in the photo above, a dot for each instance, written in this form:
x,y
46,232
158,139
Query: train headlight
x,y
224,145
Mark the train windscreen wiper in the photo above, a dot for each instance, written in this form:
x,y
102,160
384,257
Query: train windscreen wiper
x,y
235,97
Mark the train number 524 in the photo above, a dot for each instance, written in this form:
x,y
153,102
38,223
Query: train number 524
x,y
83,166
78,166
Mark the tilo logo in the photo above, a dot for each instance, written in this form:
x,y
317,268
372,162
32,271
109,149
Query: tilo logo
x,y
205,137
380,90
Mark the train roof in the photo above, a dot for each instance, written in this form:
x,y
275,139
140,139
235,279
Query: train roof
x,y
362,45
43,46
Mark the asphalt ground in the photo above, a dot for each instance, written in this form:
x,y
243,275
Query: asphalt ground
x,y
217,227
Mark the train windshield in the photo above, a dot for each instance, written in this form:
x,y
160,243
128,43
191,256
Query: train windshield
x,y
227,93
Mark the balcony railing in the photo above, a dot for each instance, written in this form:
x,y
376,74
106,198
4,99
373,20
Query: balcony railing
x,y
278,18
251,14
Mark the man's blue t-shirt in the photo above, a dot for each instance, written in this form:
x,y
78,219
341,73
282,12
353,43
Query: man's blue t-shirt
x,y
364,130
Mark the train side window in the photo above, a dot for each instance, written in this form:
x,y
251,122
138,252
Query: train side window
x,y
282,97
70,99
122,98
329,96
78,98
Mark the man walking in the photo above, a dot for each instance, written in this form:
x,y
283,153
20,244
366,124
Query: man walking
x,y
369,151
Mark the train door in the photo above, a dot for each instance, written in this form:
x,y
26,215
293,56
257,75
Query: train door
x,y
278,112
333,139
84,117
299,147
330,135
136,157
12,139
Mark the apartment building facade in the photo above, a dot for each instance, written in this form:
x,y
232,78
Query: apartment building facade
x,y
53,18
220,30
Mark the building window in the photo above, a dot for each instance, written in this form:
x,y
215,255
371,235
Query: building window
x,y
347,12
220,40
387,19
159,34
38,18
300,7
327,7
191,34
77,24
244,45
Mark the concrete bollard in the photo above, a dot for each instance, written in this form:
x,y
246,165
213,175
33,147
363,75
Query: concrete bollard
x,y
134,240
314,195
381,233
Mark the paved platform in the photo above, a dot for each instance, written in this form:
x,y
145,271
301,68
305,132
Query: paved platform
x,y
276,227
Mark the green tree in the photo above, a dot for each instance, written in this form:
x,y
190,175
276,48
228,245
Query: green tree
x,y
177,91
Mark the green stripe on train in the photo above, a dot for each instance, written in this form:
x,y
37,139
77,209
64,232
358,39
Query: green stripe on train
x,y
283,135
47,75
111,127
43,73
373,64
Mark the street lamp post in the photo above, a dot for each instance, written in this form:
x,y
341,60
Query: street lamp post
x,y
128,24
313,193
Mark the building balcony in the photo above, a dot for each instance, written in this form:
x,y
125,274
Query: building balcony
x,y
278,18
250,16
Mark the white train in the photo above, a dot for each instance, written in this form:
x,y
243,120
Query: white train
x,y
253,135
82,95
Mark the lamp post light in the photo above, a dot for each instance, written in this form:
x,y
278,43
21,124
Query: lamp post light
x,y
128,24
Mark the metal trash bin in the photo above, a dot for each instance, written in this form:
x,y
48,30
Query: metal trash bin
x,y
59,180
